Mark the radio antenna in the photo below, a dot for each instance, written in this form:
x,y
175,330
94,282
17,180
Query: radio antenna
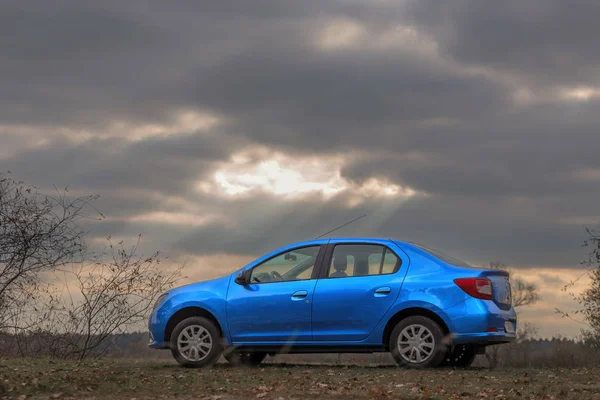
x,y
341,226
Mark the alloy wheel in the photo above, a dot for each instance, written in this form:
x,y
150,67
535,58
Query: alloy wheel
x,y
416,344
194,343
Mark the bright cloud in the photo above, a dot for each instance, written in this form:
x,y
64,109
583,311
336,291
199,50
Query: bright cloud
x,y
544,95
18,137
290,177
184,122
176,218
340,33
345,33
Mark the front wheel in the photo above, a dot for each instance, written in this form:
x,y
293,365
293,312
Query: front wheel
x,y
248,359
417,342
196,342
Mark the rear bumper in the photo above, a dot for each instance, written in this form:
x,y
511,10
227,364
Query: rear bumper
x,y
481,322
484,338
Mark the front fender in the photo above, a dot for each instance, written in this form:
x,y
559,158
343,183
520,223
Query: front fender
x,y
213,300
214,305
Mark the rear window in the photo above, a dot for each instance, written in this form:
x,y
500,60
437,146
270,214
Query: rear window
x,y
444,257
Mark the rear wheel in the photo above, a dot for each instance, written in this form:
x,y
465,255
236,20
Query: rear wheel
x,y
245,358
196,342
460,356
417,342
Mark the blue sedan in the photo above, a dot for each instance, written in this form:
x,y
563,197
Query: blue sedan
x,y
339,296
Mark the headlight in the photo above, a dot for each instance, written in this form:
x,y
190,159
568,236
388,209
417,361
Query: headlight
x,y
159,300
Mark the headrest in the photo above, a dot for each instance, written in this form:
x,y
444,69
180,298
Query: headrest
x,y
340,262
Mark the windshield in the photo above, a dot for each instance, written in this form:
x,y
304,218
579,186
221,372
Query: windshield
x,y
444,257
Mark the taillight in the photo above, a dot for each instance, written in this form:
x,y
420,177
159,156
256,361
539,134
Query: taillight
x,y
480,288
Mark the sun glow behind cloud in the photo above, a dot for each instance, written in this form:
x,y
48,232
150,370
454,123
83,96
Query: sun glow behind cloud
x,y
276,178
584,93
292,177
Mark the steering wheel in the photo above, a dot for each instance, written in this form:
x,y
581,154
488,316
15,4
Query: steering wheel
x,y
276,276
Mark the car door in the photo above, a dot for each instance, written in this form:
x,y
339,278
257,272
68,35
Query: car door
x,y
275,307
360,282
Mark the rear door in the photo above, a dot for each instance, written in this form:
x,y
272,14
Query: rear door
x,y
358,284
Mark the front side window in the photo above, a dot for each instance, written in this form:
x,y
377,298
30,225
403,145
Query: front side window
x,y
294,265
362,260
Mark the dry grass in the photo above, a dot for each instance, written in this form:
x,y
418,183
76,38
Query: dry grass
x,y
127,379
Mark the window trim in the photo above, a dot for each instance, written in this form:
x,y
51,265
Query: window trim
x,y
316,267
326,264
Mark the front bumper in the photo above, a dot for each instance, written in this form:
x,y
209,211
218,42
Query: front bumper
x,y
156,330
156,345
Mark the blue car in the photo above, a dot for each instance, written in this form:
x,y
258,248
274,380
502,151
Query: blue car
x,y
339,296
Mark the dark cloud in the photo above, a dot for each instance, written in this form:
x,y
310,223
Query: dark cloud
x,y
168,165
548,42
426,95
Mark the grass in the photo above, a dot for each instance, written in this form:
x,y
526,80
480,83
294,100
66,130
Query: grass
x,y
128,379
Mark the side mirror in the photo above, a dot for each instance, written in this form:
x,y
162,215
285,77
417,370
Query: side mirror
x,y
243,278
289,257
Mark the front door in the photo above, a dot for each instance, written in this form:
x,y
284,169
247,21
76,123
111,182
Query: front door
x,y
275,307
361,284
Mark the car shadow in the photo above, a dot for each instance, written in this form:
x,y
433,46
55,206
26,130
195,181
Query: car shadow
x,y
313,366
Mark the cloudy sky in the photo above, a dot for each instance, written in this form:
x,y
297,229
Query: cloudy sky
x,y
224,129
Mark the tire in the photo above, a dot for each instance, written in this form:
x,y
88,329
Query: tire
x,y
422,344
461,356
248,359
206,347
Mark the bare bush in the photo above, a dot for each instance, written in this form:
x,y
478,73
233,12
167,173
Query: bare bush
x,y
590,298
588,315
104,293
111,294
38,233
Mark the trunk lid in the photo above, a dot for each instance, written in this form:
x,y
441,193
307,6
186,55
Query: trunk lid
x,y
501,289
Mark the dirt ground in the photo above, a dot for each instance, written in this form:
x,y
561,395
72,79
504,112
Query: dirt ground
x,y
129,379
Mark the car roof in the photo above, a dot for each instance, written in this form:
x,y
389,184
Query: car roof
x,y
354,239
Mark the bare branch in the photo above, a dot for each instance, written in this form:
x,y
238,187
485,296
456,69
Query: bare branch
x,y
113,293
38,233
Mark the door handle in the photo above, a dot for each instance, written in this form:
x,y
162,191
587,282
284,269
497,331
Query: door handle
x,y
299,295
382,291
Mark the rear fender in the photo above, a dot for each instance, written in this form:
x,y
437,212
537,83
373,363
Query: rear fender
x,y
377,337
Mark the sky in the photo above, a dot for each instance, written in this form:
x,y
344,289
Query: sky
x,y
222,130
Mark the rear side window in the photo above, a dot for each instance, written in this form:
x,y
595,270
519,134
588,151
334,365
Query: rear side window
x,y
362,260
444,257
